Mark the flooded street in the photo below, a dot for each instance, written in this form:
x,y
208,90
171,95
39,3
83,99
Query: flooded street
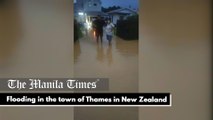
x,y
118,62
38,43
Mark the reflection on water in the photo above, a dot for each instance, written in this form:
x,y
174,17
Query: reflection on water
x,y
118,62
77,48
112,61
103,56
128,48
109,55
100,53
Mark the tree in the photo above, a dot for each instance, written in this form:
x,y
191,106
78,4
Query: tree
x,y
111,8
128,28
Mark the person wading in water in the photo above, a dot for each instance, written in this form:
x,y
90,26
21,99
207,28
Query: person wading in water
x,y
109,31
98,25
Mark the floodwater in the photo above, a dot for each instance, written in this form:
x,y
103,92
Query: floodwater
x,y
36,41
118,62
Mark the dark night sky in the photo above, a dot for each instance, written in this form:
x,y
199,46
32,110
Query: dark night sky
x,y
122,3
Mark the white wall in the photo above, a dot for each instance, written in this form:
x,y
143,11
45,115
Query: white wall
x,y
115,19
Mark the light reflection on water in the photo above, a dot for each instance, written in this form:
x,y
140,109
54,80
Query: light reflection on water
x,y
118,62
112,61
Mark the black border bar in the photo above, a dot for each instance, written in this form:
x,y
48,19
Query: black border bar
x,y
86,99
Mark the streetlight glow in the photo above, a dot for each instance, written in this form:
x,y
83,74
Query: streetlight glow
x,y
80,13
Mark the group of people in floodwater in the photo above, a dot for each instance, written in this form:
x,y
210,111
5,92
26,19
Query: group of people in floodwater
x,y
99,24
